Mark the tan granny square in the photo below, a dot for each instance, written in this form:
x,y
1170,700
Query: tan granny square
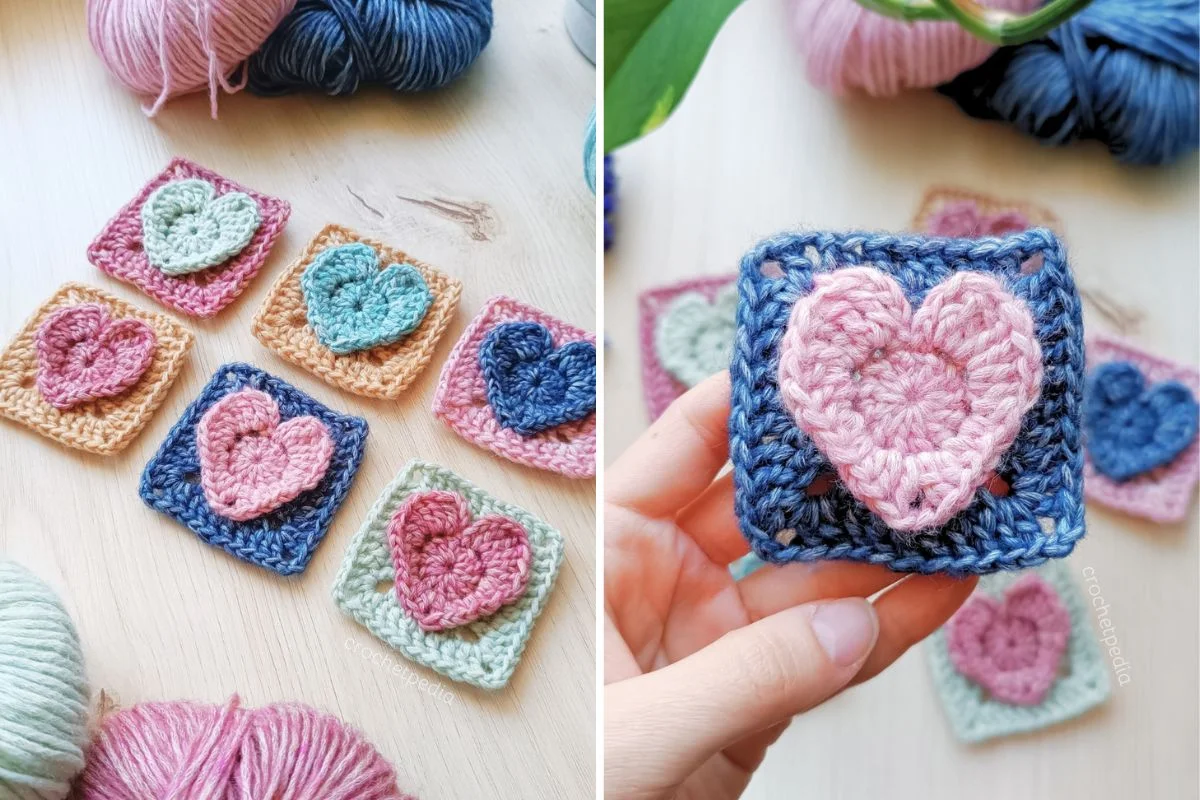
x,y
962,213
104,426
385,371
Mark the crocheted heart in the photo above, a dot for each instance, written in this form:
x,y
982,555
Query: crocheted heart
x,y
354,305
964,219
250,462
187,228
84,354
694,337
450,570
1132,429
913,409
533,386
1012,648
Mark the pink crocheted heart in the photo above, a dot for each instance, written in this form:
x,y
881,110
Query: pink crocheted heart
x,y
250,463
964,219
1011,647
450,570
84,354
913,409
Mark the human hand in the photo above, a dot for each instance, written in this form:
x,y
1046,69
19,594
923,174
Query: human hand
x,y
703,673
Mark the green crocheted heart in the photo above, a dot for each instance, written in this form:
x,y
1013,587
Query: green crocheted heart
x,y
187,228
694,335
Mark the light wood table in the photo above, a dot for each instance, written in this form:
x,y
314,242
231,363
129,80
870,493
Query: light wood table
x,y
482,180
755,150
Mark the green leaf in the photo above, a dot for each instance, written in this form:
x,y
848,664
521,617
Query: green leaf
x,y
652,51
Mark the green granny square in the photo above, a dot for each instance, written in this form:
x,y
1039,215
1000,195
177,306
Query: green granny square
x,y
483,653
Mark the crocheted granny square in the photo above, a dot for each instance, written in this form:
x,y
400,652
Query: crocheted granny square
x,y
462,400
686,331
942,439
384,371
1162,493
191,239
483,652
60,396
959,213
284,538
1020,655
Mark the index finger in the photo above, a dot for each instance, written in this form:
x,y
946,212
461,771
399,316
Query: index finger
x,y
677,457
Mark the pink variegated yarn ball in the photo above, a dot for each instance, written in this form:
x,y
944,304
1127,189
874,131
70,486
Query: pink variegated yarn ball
x,y
196,751
848,49
165,48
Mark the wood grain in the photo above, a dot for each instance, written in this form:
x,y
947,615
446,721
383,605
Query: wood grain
x,y
481,180
754,150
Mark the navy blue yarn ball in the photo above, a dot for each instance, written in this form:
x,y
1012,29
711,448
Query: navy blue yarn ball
x,y
1125,72
337,45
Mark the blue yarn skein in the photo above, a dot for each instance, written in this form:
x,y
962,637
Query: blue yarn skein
x,y
1124,72
336,45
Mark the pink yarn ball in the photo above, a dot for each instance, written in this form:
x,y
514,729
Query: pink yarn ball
x,y
167,48
848,48
195,751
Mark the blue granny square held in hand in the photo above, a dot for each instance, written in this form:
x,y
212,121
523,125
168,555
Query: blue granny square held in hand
x,y
282,540
791,502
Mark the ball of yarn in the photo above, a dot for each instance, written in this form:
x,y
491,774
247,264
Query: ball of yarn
x,y
336,45
589,152
167,48
847,48
43,693
196,750
1121,71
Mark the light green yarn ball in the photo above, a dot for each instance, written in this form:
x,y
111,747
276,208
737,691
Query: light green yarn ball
x,y
43,693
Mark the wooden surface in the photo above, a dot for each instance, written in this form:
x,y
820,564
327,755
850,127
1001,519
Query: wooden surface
x,y
755,150
482,180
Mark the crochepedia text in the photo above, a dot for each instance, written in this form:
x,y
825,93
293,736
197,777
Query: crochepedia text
x,y
400,670
1108,633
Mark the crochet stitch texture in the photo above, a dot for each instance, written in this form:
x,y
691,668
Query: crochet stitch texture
x,y
1014,639
451,570
962,214
354,305
122,251
785,517
384,371
104,406
282,540
1162,494
251,463
686,333
84,354
484,652
461,400
186,227
532,385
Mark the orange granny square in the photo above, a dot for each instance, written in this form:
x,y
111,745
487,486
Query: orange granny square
x,y
384,371
959,213
109,418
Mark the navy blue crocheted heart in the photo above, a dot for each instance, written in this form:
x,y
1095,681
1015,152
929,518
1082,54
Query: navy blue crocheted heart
x,y
1132,429
532,385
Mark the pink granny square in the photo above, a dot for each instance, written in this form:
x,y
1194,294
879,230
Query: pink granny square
x,y
1163,494
461,399
684,324
118,249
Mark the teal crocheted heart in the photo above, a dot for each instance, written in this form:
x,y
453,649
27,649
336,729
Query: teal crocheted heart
x,y
354,305
187,228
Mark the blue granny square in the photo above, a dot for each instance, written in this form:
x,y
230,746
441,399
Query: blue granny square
x,y
789,502
283,540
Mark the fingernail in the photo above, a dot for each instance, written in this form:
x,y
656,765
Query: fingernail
x,y
846,629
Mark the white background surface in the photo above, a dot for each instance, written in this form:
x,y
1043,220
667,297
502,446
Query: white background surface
x,y
755,150
162,615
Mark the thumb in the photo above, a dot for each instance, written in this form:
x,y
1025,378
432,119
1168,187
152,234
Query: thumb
x,y
749,679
